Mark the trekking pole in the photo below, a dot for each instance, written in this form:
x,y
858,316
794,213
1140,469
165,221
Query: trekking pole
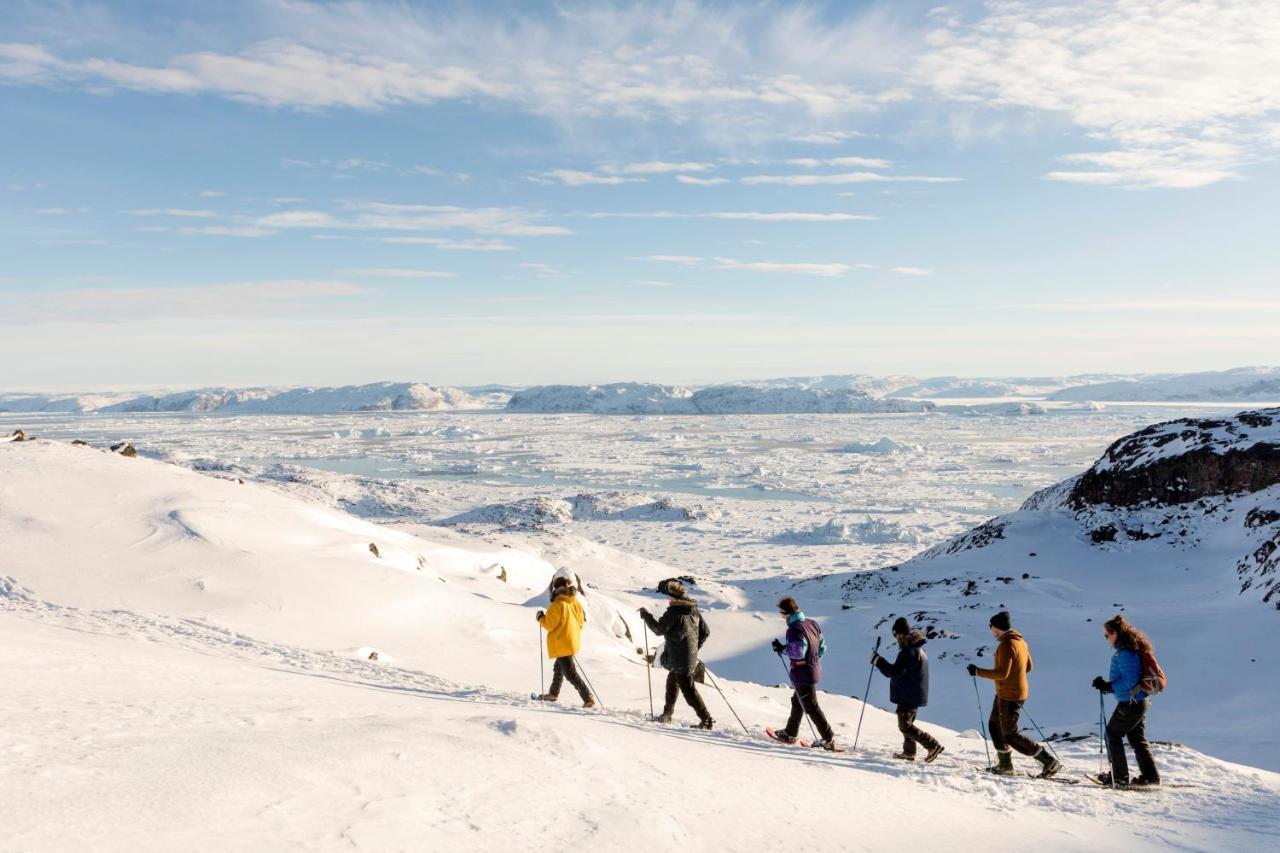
x,y
590,686
648,665
982,721
1041,733
1102,736
542,667
796,693
726,701
865,694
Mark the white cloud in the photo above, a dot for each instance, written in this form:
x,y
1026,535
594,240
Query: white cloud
x,y
742,215
246,231
212,194
827,137
701,182
173,211
576,178
840,178
863,162
543,270
827,270
656,167
395,272
61,211
649,282
683,260
1179,93
447,245
384,216
918,271
720,67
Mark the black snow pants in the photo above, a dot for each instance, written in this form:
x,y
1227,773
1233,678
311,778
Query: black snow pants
x,y
911,733
565,668
804,700
1130,721
683,682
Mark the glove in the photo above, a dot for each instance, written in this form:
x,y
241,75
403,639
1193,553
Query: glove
x,y
541,613
1101,685
972,669
875,656
644,612
778,647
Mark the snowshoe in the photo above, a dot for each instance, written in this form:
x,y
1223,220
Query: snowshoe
x,y
546,697
827,744
707,724
1144,782
782,737
905,756
589,702
1004,766
934,753
662,718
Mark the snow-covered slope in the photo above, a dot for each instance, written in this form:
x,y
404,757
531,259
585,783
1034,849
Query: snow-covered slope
x,y
649,399
1238,385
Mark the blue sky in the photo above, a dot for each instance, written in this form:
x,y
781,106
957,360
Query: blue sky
x,y
290,192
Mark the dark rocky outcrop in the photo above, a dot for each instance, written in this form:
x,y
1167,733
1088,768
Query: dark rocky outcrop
x,y
124,448
1182,461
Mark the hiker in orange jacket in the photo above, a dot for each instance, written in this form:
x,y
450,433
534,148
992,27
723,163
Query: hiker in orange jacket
x,y
1012,664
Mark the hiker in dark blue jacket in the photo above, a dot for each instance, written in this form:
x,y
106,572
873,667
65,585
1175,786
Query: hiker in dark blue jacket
x,y
1129,719
804,649
909,689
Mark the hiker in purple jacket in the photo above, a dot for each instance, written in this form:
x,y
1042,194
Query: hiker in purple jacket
x,y
804,649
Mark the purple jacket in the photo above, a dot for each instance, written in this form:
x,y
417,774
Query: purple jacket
x,y
805,648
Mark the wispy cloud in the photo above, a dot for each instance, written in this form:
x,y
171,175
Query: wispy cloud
x,y
856,162
60,211
181,212
1166,305
543,270
447,245
827,137
917,271
395,272
656,167
1180,92
576,178
840,178
250,232
683,260
384,216
741,215
826,270
701,182
649,282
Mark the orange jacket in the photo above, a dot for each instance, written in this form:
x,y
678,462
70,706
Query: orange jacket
x,y
1013,662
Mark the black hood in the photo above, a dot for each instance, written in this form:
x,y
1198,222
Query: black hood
x,y
913,640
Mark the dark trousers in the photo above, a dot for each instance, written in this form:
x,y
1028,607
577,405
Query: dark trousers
x,y
1004,728
565,668
911,734
804,700
683,682
1130,721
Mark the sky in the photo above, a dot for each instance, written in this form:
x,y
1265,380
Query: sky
x,y
285,192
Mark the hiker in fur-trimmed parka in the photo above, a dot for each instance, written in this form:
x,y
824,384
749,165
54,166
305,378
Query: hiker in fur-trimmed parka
x,y
685,631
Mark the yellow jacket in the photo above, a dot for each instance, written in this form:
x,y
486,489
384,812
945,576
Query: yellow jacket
x,y
1013,662
563,623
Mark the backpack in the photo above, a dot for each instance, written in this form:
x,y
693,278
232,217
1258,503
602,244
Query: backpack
x,y
1152,680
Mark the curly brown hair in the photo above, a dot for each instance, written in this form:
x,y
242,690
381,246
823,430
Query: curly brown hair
x,y
1127,636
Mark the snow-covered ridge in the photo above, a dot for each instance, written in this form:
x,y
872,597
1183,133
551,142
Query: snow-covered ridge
x,y
539,512
375,397
1237,385
646,399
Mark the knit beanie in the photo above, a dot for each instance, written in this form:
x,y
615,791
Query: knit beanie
x,y
1002,620
901,627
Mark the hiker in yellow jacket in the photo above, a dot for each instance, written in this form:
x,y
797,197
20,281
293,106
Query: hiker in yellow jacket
x,y
563,622
1012,664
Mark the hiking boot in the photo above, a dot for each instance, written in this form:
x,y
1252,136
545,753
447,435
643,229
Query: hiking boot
x,y
707,724
934,753
1049,765
1004,765
783,737
662,718
547,697
589,702
827,743
905,756
1104,779
1145,782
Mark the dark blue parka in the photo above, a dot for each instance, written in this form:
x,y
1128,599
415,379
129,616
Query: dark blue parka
x,y
909,673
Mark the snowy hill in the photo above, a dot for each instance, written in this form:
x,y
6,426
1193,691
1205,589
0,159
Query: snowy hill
x,y
1177,526
1238,385
649,399
376,397
189,663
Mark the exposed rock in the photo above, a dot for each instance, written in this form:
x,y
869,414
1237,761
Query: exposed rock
x,y
373,549
79,443
124,448
18,435
1182,461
